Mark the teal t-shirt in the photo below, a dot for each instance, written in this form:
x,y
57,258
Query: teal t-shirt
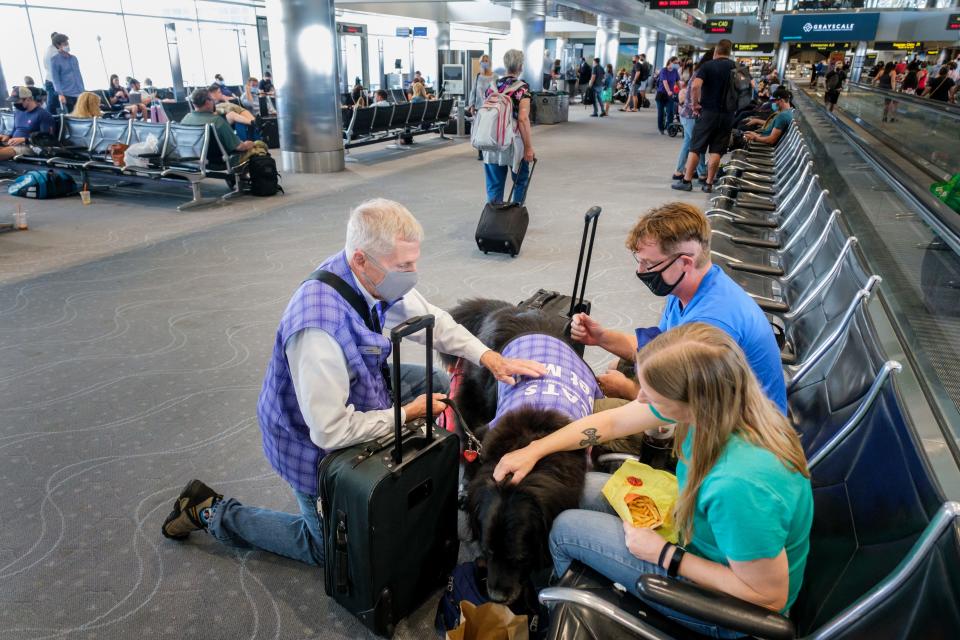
x,y
780,121
750,506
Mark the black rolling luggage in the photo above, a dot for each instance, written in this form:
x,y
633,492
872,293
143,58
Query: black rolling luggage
x,y
389,512
269,132
554,302
503,225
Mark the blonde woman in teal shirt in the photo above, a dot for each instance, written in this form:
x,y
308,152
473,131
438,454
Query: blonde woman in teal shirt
x,y
745,506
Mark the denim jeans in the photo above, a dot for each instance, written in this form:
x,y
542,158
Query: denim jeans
x,y
688,124
298,536
53,101
665,109
496,176
597,100
594,536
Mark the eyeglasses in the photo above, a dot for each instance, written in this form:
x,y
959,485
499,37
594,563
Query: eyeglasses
x,y
650,267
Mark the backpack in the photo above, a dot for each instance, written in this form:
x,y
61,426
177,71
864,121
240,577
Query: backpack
x,y
739,92
264,179
833,82
43,185
645,72
494,127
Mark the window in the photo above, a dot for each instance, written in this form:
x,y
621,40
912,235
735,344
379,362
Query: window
x,y
148,50
16,48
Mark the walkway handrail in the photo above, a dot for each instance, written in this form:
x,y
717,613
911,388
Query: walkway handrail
x,y
944,108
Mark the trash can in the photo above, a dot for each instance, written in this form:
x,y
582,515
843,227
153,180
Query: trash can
x,y
547,108
564,106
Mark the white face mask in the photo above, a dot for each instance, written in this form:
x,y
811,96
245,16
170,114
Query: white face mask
x,y
66,49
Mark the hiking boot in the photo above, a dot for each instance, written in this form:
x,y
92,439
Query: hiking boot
x,y
682,185
185,516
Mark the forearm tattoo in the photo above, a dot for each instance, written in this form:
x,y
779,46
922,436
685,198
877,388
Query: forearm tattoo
x,y
592,438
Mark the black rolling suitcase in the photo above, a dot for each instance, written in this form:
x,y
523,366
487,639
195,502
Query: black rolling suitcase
x,y
389,512
503,225
554,302
269,132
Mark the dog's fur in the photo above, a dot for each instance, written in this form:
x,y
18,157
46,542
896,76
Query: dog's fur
x,y
512,522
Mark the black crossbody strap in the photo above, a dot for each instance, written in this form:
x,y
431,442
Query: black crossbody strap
x,y
348,293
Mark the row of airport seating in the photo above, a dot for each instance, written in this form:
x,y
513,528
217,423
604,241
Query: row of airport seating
x,y
884,555
187,154
370,125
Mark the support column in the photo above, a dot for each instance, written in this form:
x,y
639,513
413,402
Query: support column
x,y
651,49
611,40
305,57
443,36
783,55
661,57
859,55
173,53
3,83
528,30
244,60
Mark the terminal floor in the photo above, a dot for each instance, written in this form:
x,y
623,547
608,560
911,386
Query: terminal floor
x,y
133,341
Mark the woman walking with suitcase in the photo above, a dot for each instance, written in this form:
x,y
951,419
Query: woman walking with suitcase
x,y
518,156
484,80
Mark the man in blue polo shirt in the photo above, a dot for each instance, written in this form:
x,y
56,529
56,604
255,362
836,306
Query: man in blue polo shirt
x,y
671,245
29,118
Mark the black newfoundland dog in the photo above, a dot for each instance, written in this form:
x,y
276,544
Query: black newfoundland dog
x,y
512,522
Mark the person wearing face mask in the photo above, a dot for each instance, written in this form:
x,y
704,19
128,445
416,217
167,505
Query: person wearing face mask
x,y
668,82
745,506
30,117
65,73
773,128
671,247
327,384
481,85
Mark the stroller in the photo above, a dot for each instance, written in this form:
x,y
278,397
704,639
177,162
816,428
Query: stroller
x,y
675,128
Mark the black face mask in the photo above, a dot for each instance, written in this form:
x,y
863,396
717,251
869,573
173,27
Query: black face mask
x,y
19,107
655,282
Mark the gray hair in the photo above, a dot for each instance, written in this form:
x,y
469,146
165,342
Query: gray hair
x,y
376,225
513,60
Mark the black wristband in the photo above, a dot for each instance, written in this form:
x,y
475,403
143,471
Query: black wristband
x,y
675,561
663,554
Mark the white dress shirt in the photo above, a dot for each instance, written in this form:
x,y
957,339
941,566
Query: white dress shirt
x,y
47,55
321,378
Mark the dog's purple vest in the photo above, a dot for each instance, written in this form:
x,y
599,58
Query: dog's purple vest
x,y
569,385
315,305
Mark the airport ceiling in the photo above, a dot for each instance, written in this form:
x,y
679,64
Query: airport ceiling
x,y
572,17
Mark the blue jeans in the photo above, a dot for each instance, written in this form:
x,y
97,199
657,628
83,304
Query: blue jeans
x,y
593,535
496,176
53,101
298,536
665,110
597,100
685,149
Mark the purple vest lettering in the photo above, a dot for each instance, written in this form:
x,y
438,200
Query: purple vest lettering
x,y
569,385
286,436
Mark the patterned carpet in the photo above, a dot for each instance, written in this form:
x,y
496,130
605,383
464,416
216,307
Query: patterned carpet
x,y
125,376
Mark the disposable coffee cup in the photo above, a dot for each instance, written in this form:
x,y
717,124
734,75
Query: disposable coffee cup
x,y
85,197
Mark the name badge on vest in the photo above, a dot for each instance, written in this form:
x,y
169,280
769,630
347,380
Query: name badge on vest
x,y
370,350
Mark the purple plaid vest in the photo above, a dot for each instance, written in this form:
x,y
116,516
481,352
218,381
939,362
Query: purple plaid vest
x,y
286,437
569,385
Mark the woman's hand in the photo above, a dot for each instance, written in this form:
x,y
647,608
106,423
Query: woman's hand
x,y
614,384
644,543
529,155
519,463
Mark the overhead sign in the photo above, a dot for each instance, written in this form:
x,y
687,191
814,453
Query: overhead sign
x,y
403,32
953,24
817,28
349,28
822,47
933,52
674,4
419,32
758,47
898,46
719,26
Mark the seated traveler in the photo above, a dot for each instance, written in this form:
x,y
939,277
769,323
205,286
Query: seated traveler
x,y
745,504
218,80
266,85
382,99
233,112
116,94
205,114
139,100
28,119
88,106
325,389
418,92
775,126
250,98
671,245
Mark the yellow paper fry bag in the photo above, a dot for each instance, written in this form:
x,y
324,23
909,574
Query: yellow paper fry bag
x,y
644,497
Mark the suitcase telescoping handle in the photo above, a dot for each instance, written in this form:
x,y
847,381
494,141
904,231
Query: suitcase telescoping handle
x,y
591,216
533,165
398,333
